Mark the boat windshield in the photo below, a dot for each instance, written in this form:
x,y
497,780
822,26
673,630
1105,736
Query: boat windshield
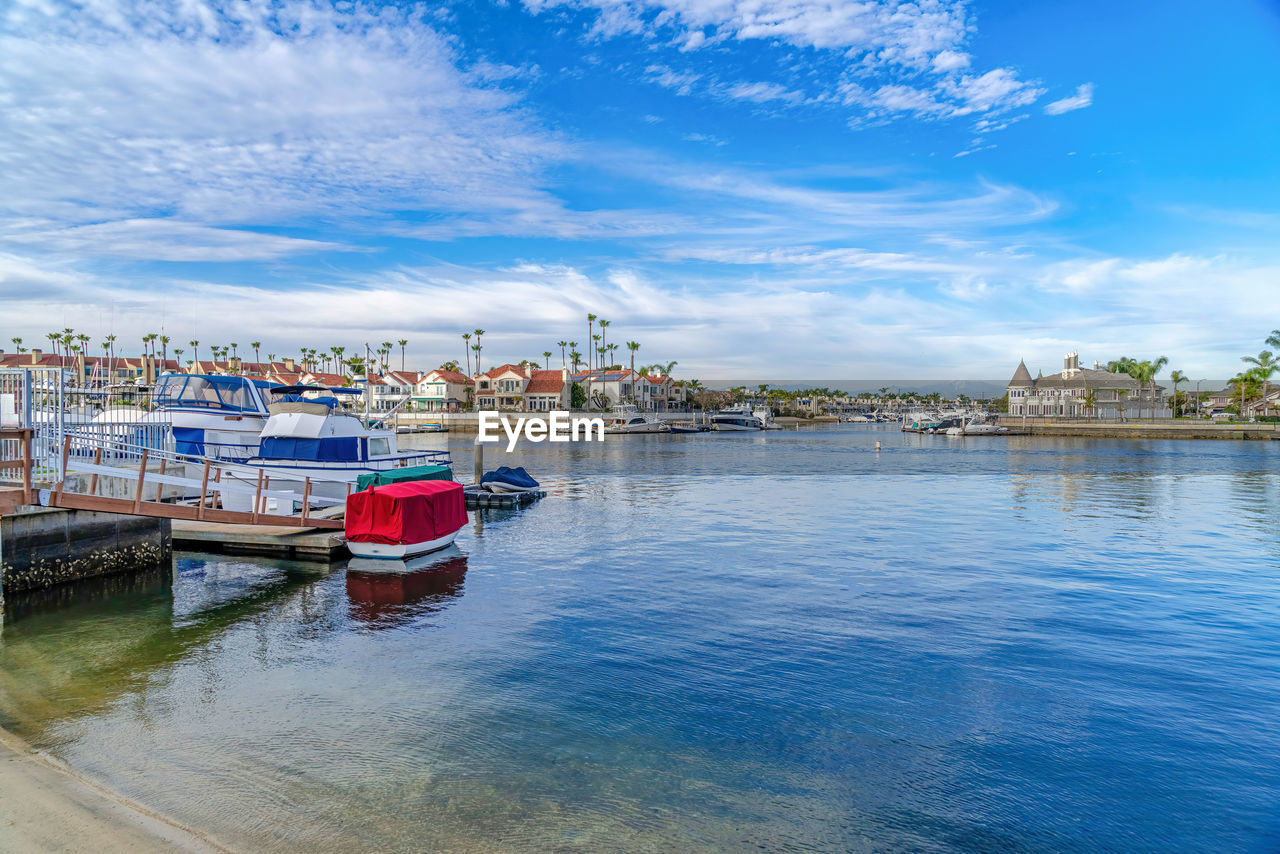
x,y
232,394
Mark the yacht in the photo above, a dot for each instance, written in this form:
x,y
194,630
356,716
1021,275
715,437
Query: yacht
x,y
628,419
219,417
315,438
741,418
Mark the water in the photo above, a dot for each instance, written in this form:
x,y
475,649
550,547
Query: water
x,y
778,641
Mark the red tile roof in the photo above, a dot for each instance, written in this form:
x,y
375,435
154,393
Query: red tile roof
x,y
502,369
452,377
545,382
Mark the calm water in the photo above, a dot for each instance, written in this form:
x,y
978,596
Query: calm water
x,y
727,642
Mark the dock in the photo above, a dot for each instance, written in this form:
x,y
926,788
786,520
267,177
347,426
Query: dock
x,y
478,498
269,540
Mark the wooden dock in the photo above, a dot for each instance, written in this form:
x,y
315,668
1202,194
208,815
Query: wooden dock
x,y
267,540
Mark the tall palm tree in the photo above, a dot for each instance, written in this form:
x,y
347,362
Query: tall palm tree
x,y
402,342
466,345
255,345
476,347
546,354
604,341
234,345
479,347
591,323
17,342
1264,368
574,358
633,346
177,355
562,345
1176,377
195,350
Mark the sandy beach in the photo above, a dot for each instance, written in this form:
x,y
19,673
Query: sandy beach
x,y
47,807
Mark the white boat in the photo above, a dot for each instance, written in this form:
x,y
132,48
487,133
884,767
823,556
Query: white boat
x,y
628,419
740,418
765,414
315,439
402,520
977,428
218,417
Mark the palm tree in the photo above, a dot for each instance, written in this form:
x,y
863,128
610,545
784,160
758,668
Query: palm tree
x,y
476,347
195,350
234,345
177,355
255,345
562,345
402,342
633,346
546,354
604,340
1273,340
479,347
466,344
1264,368
591,322
1090,401
574,358
1176,377
17,342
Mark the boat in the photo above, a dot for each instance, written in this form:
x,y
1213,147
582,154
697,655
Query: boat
x,y
503,479
740,418
313,438
628,419
211,416
977,428
765,414
687,427
401,520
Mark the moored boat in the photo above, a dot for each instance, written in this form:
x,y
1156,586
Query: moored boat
x,y
740,418
400,520
504,479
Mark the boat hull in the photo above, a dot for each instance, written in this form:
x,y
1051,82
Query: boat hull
x,y
400,551
733,428
495,486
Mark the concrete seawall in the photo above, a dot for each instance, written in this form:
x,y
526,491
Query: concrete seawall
x,y
1144,429
41,547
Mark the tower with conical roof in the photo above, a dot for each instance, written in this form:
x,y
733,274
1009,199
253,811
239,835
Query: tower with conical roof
x,y
1021,377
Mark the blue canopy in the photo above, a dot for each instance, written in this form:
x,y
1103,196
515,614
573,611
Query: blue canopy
x,y
515,477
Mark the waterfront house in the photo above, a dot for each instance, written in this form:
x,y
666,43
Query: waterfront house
x,y
1078,392
548,390
608,388
443,391
502,387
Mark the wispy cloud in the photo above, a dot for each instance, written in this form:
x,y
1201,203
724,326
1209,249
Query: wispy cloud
x,y
1082,98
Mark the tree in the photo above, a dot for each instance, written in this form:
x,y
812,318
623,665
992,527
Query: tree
x,y
1264,368
234,345
574,358
1090,401
577,396
255,345
1177,377
17,342
591,322
403,342
604,336
177,355
562,345
466,345
633,346
478,347
195,350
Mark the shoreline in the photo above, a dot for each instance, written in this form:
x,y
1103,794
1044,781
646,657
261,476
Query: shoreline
x,y
46,805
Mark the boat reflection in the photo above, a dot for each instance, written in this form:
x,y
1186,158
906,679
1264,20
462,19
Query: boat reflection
x,y
388,593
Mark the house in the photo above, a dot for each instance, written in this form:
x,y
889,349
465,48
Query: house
x,y
548,390
443,391
523,388
502,387
608,388
1084,393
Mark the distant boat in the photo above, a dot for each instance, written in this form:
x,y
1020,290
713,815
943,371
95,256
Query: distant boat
x,y
628,419
740,418
505,479
400,520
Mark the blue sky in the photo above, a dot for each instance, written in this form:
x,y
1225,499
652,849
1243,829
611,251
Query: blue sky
x,y
769,188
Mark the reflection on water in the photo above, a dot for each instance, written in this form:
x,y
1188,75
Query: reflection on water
x,y
389,593
782,642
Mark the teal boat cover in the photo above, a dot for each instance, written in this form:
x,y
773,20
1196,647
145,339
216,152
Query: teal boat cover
x,y
405,475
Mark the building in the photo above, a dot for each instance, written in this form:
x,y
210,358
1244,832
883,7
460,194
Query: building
x,y
523,388
1084,393
608,388
443,391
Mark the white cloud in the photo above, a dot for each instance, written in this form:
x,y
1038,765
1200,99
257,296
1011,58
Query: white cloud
x,y
165,240
220,112
761,92
1082,98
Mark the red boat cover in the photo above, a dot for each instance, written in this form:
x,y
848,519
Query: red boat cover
x,y
401,513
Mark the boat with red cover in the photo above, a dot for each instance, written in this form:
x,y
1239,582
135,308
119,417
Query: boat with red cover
x,y
399,520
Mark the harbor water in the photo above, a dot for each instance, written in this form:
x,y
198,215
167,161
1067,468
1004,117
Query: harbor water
x,y
781,641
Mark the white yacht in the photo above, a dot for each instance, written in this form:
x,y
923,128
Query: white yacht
x,y
219,417
740,418
314,438
628,419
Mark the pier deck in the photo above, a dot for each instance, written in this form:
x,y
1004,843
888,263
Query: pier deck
x,y
268,540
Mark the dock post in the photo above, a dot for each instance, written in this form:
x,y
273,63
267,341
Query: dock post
x,y
478,458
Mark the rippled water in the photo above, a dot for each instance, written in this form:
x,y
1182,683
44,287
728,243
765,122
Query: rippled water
x,y
739,641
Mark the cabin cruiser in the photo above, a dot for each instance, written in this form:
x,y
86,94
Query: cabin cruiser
x,y
313,438
741,418
765,414
628,419
976,428
218,417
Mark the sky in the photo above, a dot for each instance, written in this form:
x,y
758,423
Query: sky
x,y
834,189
